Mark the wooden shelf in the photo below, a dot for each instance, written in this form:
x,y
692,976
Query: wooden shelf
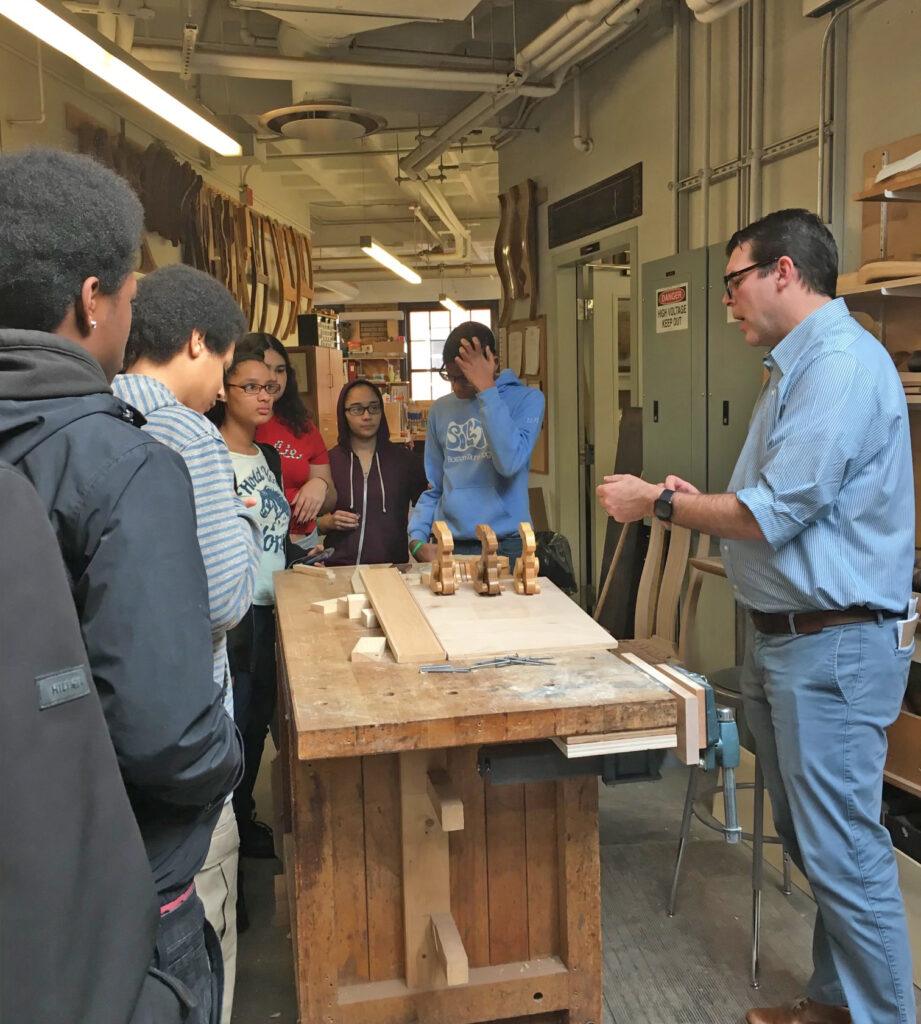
x,y
904,187
904,287
374,355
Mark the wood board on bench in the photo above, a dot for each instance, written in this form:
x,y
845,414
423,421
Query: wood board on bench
x,y
469,626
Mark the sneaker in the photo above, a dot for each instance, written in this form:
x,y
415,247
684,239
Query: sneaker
x,y
256,840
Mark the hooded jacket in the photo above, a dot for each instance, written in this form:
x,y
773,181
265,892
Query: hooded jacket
x,y
477,455
121,506
381,499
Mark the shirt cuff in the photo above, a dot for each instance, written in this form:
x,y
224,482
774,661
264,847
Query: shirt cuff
x,y
777,522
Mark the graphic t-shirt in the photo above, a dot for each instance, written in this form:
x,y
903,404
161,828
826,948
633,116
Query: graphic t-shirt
x,y
298,454
255,479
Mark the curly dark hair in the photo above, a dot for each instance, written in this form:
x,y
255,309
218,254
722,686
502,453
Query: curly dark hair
x,y
251,348
174,301
63,218
289,407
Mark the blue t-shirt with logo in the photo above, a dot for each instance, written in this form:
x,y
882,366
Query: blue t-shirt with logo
x,y
256,479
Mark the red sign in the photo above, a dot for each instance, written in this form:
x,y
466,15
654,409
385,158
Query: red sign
x,y
669,295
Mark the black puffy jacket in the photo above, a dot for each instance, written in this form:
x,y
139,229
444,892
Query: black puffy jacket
x,y
122,507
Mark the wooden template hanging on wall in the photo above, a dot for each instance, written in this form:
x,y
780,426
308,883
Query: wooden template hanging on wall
x,y
523,350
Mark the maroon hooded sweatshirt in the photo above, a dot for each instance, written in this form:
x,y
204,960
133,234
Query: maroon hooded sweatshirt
x,y
382,499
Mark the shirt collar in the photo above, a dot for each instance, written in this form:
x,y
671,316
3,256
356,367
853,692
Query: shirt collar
x,y
144,393
787,352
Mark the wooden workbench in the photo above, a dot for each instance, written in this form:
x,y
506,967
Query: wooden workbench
x,y
393,919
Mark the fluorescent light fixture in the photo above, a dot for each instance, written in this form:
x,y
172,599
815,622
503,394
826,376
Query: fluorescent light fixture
x,y
379,253
91,51
452,305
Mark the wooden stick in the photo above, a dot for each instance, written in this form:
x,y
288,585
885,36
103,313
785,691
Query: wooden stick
x,y
615,558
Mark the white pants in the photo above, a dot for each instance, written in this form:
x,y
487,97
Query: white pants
x,y
216,884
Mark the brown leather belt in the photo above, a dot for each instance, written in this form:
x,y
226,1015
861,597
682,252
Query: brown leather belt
x,y
805,623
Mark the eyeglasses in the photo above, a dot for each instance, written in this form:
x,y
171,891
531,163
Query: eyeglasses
x,y
272,388
374,408
452,378
730,279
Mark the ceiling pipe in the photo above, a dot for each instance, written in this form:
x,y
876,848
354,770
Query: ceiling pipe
x,y
582,142
706,11
565,40
263,66
425,222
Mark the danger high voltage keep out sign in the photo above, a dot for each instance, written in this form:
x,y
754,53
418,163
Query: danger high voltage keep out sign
x,y
672,308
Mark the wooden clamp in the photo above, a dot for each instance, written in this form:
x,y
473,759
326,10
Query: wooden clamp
x,y
486,575
528,566
442,580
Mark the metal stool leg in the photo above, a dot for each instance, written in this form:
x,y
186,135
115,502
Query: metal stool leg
x,y
683,838
757,865
787,880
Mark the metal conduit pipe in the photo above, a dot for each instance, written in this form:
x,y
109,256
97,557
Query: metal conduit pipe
x,y
708,103
823,100
755,180
602,35
446,214
712,10
242,65
425,222
580,140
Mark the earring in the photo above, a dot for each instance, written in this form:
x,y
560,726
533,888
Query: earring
x,y
92,325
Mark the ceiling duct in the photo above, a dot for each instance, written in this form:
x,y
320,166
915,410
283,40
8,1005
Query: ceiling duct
x,y
323,123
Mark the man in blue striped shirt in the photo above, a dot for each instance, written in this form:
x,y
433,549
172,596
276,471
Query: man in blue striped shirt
x,y
818,543
184,329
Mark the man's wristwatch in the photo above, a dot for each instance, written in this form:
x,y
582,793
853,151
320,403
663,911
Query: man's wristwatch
x,y
662,507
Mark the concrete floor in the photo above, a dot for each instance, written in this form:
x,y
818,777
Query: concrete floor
x,y
698,959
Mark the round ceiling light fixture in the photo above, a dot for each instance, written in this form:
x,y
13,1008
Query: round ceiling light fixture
x,y
322,124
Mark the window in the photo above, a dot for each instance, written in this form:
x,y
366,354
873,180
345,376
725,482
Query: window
x,y
428,331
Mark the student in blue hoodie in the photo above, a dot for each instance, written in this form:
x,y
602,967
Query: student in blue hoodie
x,y
477,449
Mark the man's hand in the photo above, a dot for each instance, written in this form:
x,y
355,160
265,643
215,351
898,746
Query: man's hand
x,y
627,498
427,553
679,486
309,500
476,364
341,519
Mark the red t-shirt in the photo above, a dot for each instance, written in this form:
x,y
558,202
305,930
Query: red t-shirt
x,y
298,454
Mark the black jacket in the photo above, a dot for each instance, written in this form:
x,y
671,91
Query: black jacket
x,y
121,505
78,907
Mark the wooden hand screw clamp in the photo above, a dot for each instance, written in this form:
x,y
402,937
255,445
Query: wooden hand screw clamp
x,y
443,580
528,566
486,576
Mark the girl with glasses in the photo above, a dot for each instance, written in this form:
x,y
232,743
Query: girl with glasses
x,y
304,462
376,480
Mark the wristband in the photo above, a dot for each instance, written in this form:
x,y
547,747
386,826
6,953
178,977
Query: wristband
x,y
413,548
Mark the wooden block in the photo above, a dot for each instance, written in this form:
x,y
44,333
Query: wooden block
x,y
688,731
329,607
697,690
368,618
450,949
357,586
369,648
314,570
352,605
411,638
449,808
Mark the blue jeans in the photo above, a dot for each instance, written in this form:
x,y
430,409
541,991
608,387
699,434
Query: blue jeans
x,y
818,707
508,546
188,951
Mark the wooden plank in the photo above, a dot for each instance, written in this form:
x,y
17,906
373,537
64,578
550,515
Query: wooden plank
x,y
383,866
410,637
542,869
469,893
616,744
447,804
328,607
580,894
426,872
345,793
697,690
315,570
510,990
687,729
313,893
449,949
506,851
469,627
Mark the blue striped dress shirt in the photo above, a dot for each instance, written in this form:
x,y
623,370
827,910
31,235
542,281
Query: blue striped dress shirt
x,y
231,544
826,471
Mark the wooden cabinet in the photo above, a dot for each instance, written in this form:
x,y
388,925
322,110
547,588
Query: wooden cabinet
x,y
321,376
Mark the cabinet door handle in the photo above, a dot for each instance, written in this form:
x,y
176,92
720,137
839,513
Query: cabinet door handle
x,y
725,414
655,412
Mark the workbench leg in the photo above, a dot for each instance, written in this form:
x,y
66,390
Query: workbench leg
x,y
313,924
580,896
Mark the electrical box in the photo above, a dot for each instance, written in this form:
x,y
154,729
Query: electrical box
x,y
700,377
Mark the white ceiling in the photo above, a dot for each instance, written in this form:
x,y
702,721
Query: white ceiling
x,y
413,63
